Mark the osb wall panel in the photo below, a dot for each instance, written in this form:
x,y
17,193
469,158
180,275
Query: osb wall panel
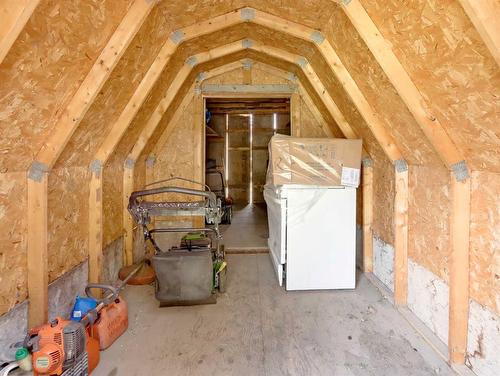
x,y
185,50
112,202
429,218
313,13
485,239
309,126
334,87
378,90
68,195
13,203
140,173
44,68
383,203
176,157
443,53
260,76
117,91
318,102
226,78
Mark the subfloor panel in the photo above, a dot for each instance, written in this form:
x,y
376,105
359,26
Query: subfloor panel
x,y
257,328
248,231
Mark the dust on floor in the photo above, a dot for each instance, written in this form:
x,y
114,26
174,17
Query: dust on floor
x,y
257,328
248,230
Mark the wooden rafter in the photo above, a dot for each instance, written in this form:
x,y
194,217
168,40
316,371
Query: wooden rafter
x,y
485,16
99,73
52,148
13,15
276,23
164,104
403,84
367,186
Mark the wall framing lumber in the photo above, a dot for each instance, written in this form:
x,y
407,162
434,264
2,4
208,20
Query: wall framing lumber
x,y
155,119
99,73
199,142
50,151
128,222
377,127
367,215
459,270
295,114
38,277
14,16
401,236
449,154
402,82
300,31
95,226
484,15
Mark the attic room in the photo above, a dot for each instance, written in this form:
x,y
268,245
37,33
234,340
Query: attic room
x,y
250,187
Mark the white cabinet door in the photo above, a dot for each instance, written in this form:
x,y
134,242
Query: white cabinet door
x,y
276,216
321,238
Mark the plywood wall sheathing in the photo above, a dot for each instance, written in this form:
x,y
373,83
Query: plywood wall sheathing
x,y
444,55
52,147
49,55
14,15
430,126
429,218
485,240
116,92
367,186
94,81
13,268
485,14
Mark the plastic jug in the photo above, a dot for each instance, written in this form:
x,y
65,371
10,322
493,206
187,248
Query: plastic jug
x,y
111,324
82,305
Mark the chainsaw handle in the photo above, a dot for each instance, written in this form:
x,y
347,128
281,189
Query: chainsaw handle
x,y
112,289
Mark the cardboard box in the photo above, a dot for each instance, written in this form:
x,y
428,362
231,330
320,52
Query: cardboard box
x,y
314,161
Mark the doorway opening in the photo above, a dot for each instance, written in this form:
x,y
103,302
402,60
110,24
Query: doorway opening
x,y
238,131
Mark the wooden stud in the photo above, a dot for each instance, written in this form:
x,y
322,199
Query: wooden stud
x,y
99,73
136,101
402,82
199,145
247,76
401,237
367,215
295,114
485,14
174,87
38,277
14,16
95,227
459,270
128,222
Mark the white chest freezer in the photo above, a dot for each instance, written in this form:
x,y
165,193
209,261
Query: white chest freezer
x,y
312,236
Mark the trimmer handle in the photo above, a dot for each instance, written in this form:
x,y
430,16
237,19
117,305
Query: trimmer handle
x,y
111,289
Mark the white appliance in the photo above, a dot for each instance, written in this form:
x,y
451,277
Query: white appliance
x,y
312,236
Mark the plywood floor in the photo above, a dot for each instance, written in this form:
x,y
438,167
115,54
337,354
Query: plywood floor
x,y
257,328
248,231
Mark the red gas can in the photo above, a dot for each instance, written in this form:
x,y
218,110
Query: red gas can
x,y
111,324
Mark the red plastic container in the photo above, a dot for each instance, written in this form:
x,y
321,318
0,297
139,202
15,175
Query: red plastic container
x,y
111,324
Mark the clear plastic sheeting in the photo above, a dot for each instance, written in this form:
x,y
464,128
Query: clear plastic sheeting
x,y
314,161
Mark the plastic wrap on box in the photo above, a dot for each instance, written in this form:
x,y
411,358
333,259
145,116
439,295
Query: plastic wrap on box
x,y
314,161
